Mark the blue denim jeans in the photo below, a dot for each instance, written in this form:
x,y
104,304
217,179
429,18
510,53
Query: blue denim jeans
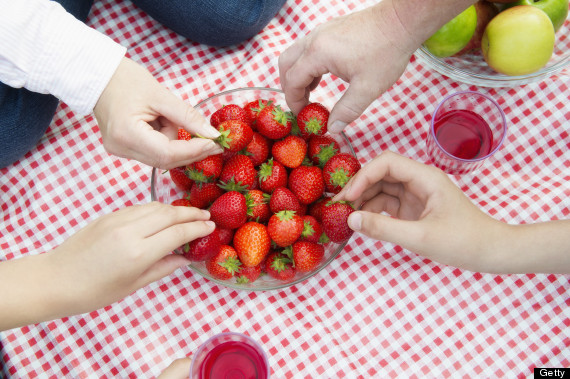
x,y
25,115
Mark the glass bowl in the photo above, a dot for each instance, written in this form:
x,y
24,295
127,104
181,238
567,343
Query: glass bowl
x,y
164,191
472,68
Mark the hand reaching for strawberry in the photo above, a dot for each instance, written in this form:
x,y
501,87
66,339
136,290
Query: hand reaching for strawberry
x,y
139,119
429,215
107,260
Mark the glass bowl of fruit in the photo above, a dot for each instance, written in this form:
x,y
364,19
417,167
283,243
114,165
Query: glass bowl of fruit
x,y
268,193
469,64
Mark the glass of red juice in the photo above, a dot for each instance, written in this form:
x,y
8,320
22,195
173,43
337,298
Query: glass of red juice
x,y
229,356
466,128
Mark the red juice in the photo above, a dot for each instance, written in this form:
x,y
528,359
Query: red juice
x,y
463,134
233,360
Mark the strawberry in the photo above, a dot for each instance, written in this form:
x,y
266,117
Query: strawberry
x,y
252,243
279,266
335,225
257,206
273,122
235,135
202,248
225,264
181,203
306,182
229,211
312,120
307,255
207,170
229,112
226,235
238,174
179,178
316,208
290,151
272,174
204,194
282,199
312,229
284,228
258,149
247,274
338,171
253,108
184,135
321,149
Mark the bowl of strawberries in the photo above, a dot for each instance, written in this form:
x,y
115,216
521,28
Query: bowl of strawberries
x,y
270,192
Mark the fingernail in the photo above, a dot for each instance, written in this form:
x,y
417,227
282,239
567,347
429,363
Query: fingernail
x,y
210,132
211,224
355,221
337,126
206,213
210,146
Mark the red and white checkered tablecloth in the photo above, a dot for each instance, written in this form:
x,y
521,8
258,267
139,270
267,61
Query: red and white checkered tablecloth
x,y
376,311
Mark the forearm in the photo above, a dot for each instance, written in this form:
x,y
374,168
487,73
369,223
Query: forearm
x,y
533,248
414,21
30,292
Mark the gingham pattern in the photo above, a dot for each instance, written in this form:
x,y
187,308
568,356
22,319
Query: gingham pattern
x,y
376,311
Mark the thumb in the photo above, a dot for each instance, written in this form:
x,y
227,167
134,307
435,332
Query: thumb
x,y
161,268
184,115
407,234
351,105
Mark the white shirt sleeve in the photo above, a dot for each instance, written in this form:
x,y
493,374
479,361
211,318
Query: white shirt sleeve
x,y
47,50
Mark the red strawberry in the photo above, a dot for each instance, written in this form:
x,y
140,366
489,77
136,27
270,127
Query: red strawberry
x,y
229,211
290,151
180,179
229,112
285,227
335,225
279,266
307,255
316,208
181,203
273,122
238,174
338,171
257,206
321,149
306,182
202,195
225,264
282,199
252,243
202,248
248,274
312,120
312,229
258,149
253,108
272,174
235,135
226,235
184,135
207,170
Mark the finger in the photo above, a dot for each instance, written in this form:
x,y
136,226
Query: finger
x,y
407,234
359,95
157,217
300,77
383,203
165,266
178,369
287,58
174,236
181,113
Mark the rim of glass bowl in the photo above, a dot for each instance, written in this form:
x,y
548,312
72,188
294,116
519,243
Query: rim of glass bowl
x,y
484,80
253,286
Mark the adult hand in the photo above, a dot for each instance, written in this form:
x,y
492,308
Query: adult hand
x,y
139,119
107,260
419,208
368,49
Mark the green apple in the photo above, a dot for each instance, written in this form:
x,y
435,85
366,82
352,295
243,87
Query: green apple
x,y
453,36
486,10
557,10
518,41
